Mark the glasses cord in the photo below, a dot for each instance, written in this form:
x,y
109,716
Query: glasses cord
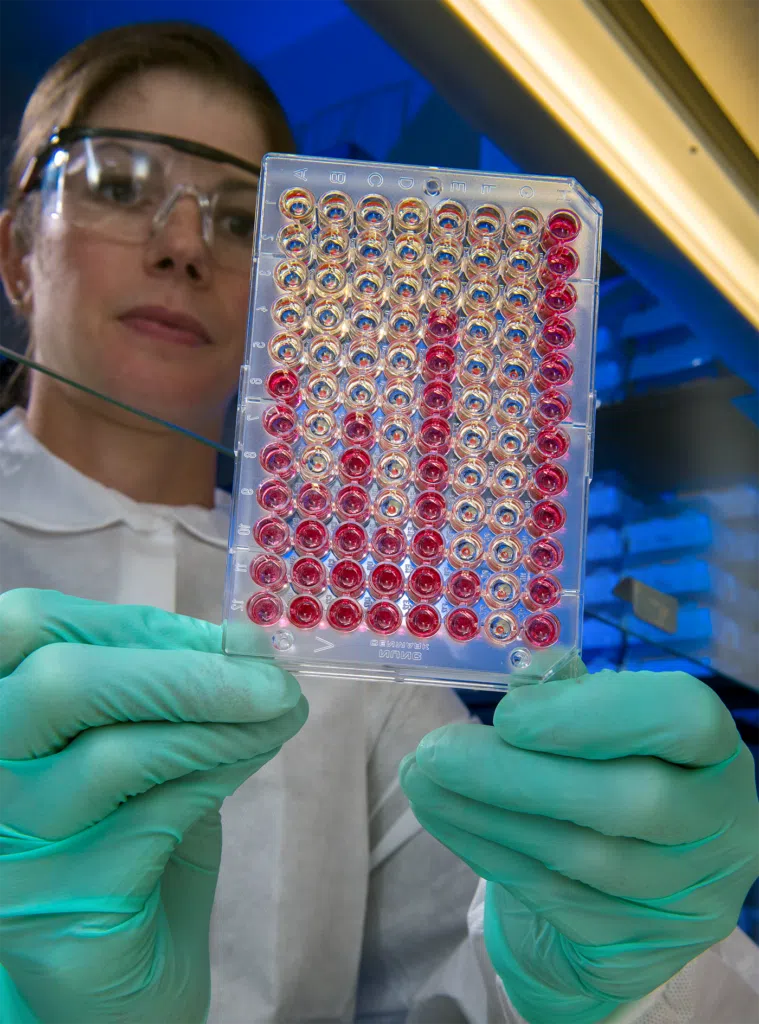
x,y
33,365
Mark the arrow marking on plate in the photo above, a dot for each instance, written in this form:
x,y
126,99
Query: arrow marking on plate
x,y
328,645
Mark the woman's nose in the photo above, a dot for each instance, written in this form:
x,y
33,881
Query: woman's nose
x,y
177,242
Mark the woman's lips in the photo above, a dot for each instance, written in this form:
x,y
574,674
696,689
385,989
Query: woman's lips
x,y
167,326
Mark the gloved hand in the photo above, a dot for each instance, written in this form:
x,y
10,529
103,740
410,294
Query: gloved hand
x,y
615,819
122,730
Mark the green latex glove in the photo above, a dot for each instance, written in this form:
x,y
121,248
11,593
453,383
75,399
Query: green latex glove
x,y
615,819
122,730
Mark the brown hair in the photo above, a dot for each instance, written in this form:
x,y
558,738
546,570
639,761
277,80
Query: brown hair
x,y
70,89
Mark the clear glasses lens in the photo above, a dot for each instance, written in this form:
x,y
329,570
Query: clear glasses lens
x,y
126,189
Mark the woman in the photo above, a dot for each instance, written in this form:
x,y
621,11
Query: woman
x,y
612,815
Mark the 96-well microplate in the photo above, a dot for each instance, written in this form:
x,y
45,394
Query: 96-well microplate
x,y
415,425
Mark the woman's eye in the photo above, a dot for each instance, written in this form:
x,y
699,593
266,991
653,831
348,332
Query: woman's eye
x,y
118,190
239,225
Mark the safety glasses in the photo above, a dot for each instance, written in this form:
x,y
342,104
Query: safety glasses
x,y
123,185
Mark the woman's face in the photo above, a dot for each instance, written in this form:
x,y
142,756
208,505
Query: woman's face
x,y
83,286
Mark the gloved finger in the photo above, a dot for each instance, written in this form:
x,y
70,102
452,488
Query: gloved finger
x,y
619,866
30,619
669,715
193,867
61,689
580,912
568,975
126,853
103,767
638,797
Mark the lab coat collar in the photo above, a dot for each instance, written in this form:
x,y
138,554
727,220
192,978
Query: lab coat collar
x,y
39,491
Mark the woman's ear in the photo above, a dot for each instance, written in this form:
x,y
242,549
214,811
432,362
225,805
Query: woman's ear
x,y
13,265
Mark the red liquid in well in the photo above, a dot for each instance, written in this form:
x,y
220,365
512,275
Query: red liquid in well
x,y
350,541
427,547
429,509
557,298
554,372
282,385
386,581
441,326
547,517
551,407
543,592
432,472
436,399
358,430
562,226
269,572
439,363
462,624
383,618
355,466
308,576
541,630
347,577
272,534
353,502
264,609
558,332
281,422
389,544
544,555
423,621
305,612
463,587
550,443
345,614
562,260
311,538
549,479
276,497
278,458
434,436
315,501
425,584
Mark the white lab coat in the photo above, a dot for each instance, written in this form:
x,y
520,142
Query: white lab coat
x,y
333,905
